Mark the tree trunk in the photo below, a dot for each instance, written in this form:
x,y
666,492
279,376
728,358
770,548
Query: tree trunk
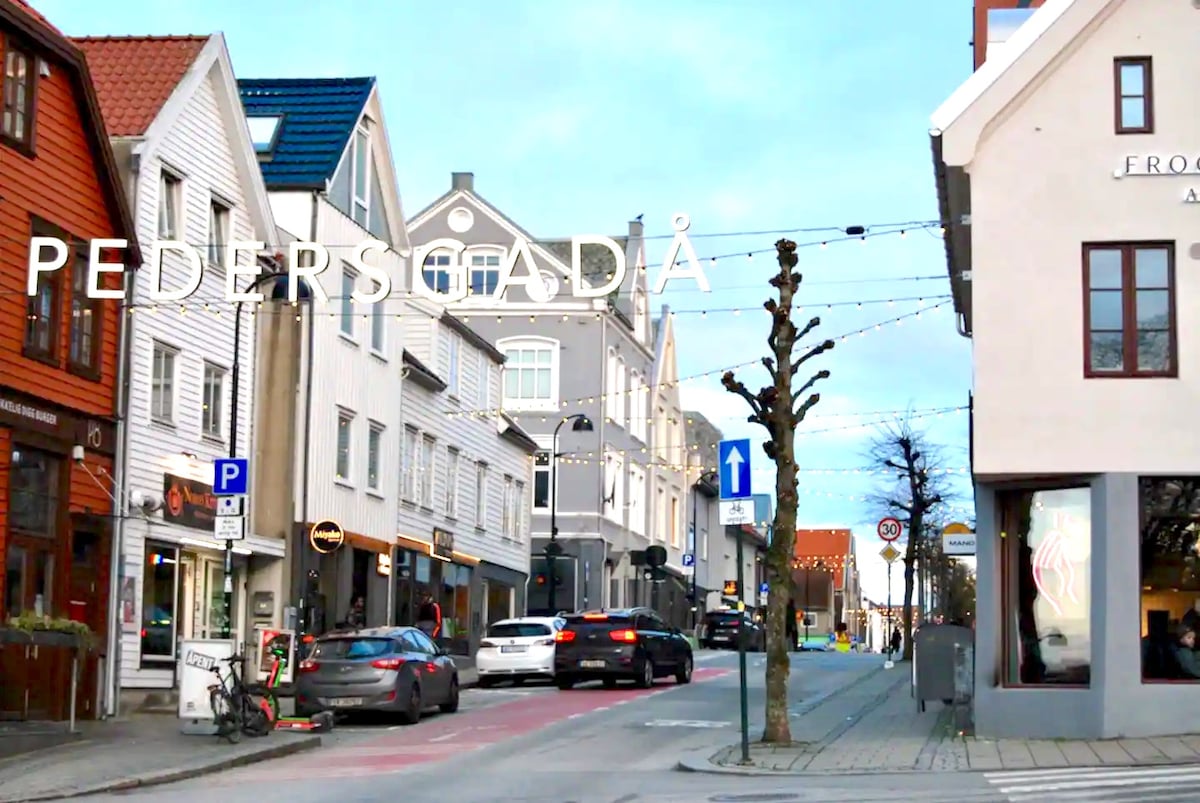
x,y
915,534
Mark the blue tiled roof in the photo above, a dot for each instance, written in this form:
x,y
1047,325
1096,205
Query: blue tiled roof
x,y
319,114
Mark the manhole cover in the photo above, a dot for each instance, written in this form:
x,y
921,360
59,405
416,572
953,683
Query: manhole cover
x,y
767,797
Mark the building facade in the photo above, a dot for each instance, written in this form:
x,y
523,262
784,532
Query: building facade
x,y
567,359
323,150
191,176
466,483
1070,277
60,367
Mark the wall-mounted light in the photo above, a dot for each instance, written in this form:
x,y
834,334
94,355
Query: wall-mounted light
x,y
383,564
190,455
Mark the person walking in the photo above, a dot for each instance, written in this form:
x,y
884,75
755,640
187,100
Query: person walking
x,y
791,627
429,617
896,641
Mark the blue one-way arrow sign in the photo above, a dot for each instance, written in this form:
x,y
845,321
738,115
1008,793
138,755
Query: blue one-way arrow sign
x,y
734,466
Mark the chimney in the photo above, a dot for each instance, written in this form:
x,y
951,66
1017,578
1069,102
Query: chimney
x,y
635,229
462,181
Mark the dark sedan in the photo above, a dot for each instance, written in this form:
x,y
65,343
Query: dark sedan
x,y
720,630
633,644
388,669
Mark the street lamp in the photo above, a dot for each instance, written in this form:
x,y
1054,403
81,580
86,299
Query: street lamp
x,y
279,292
580,423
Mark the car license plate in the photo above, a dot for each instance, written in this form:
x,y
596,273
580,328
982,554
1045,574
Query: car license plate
x,y
345,702
591,664
512,648
721,638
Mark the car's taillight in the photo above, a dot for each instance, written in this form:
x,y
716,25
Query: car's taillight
x,y
486,643
546,642
309,665
564,635
596,617
623,636
388,663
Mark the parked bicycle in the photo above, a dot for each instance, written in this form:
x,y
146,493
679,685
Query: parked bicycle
x,y
235,710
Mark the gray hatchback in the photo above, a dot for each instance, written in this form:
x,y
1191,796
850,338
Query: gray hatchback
x,y
387,669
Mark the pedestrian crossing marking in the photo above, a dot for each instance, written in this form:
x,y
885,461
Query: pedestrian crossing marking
x,y
1145,783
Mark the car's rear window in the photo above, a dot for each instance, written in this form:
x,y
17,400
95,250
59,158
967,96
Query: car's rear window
x,y
722,618
348,649
584,626
518,629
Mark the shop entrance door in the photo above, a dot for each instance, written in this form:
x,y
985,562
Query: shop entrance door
x,y
210,622
87,602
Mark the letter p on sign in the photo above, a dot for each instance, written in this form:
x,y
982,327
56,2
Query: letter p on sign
x,y
231,476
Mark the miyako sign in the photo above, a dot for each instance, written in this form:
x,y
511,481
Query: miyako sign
x,y
50,254
326,537
958,540
1175,164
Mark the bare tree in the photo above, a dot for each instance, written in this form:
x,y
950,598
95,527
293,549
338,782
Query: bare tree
x,y
775,408
918,488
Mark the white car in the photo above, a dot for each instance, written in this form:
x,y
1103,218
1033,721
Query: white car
x,y
517,650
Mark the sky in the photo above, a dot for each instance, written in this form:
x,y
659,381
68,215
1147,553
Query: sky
x,y
759,119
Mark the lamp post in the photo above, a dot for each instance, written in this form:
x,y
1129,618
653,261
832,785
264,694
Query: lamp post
x,y
552,550
279,292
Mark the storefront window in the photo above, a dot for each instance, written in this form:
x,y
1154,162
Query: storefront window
x,y
33,493
1046,553
462,607
159,593
499,601
1170,577
402,576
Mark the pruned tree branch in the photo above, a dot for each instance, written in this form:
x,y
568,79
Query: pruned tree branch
x,y
818,376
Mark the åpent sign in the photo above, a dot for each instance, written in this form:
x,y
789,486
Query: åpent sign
x,y
733,462
889,529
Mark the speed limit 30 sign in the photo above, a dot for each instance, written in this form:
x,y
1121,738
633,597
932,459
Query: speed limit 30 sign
x,y
889,529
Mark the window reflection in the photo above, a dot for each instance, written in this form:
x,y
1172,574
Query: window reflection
x,y
1046,544
1170,576
158,603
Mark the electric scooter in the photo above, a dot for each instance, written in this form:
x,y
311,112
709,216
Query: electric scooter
x,y
322,721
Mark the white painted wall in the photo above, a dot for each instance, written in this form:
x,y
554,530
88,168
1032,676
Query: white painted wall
x,y
1042,183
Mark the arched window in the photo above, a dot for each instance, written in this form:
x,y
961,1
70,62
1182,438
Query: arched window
x,y
437,270
635,416
530,373
640,312
483,262
620,400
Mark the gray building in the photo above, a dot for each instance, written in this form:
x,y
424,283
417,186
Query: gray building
x,y
566,358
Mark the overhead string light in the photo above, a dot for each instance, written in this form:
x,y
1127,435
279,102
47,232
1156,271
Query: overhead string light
x,y
549,415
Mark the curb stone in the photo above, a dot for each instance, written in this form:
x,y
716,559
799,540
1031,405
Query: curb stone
x,y
295,744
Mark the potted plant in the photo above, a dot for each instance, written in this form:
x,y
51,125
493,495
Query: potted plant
x,y
47,631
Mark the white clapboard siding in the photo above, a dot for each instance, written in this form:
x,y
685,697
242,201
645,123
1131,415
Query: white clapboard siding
x,y
348,375
197,147
478,439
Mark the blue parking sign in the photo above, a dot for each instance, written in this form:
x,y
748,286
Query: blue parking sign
x,y
231,476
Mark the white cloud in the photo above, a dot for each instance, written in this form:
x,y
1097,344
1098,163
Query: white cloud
x,y
554,126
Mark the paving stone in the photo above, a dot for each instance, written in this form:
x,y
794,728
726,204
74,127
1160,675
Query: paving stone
x,y
984,755
1174,748
1047,754
1079,754
1110,752
1015,754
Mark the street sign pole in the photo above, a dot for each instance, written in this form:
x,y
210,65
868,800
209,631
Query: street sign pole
x,y
887,633
231,477
743,698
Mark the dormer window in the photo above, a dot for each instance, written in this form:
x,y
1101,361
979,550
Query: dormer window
x,y
361,179
264,132
485,271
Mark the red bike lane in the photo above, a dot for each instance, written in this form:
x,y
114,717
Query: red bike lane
x,y
446,736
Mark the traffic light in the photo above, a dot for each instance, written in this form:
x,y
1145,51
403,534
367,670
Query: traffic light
x,y
539,579
655,574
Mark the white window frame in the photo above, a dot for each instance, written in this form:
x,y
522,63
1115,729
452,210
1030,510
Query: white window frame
x,y
375,432
660,516
620,404
637,498
454,368
548,470
610,384
343,472
637,419
673,511
349,281
409,460
170,205
378,330
212,404
360,203
522,529
440,261
428,469
640,314
483,252
220,230
507,517
481,495
535,344
483,375
453,468
165,384
614,487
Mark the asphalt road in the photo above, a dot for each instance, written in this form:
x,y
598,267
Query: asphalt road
x,y
588,745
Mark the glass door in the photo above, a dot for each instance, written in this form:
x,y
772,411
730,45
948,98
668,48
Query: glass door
x,y
212,613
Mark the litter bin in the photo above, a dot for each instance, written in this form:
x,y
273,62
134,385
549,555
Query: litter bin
x,y
937,651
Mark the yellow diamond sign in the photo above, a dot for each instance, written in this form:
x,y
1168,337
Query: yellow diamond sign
x,y
889,553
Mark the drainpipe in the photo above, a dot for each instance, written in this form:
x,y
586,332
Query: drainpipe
x,y
120,492
301,558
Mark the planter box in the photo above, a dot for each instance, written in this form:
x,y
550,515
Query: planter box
x,y
41,638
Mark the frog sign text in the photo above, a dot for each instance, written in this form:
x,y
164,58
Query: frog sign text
x,y
307,260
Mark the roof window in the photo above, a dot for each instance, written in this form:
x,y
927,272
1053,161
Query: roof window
x,y
264,132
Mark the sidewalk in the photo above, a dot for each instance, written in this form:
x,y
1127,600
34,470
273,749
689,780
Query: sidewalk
x,y
140,751
873,726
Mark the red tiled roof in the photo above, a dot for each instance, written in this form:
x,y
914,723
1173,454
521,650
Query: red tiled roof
x,y
35,14
134,75
827,546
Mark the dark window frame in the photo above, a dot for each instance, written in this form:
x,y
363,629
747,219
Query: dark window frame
x,y
1129,328
1147,96
90,368
8,44
54,283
